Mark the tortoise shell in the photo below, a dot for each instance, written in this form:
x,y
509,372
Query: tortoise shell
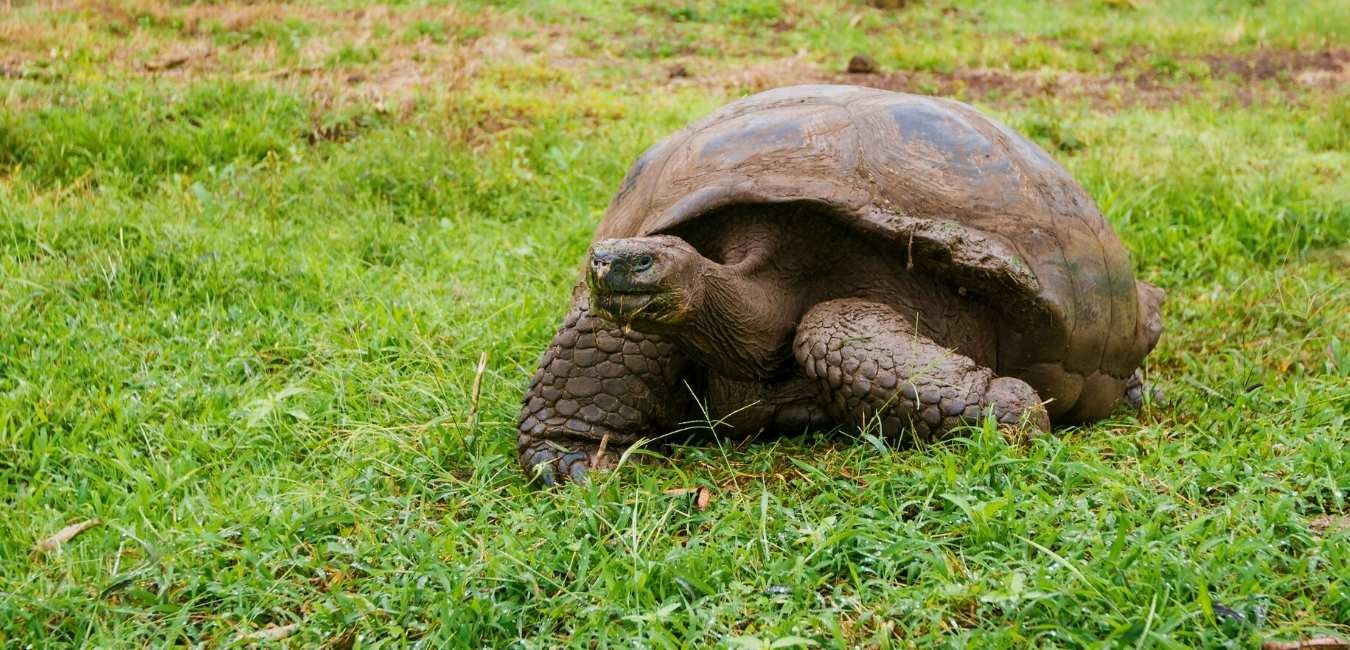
x,y
961,197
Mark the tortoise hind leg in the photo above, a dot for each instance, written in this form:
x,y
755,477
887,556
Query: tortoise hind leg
x,y
868,363
1149,329
598,389
1137,391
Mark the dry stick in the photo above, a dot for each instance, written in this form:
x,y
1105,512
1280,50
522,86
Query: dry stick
x,y
476,391
600,453
166,64
64,535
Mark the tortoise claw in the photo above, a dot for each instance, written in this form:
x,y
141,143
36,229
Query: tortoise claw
x,y
1136,389
552,462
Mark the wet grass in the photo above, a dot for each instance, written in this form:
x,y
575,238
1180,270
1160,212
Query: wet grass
x,y
240,316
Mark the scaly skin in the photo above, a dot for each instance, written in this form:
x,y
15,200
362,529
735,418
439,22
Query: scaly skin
x,y
596,384
748,408
867,362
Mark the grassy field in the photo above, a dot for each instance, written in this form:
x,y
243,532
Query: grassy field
x,y
250,256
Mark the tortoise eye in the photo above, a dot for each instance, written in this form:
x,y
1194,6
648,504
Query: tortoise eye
x,y
643,262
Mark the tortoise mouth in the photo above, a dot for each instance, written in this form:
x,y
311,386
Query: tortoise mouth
x,y
625,306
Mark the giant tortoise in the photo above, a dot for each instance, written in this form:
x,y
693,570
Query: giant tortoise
x,y
822,256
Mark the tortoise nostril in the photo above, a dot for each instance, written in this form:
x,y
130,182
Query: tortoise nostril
x,y
602,254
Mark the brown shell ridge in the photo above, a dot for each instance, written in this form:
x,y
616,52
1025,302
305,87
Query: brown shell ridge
x,y
988,255
1001,260
1071,311
1009,141
1096,230
673,144
709,199
659,172
991,262
860,169
1111,286
1125,304
988,261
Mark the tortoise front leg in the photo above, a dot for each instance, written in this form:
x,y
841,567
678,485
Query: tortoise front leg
x,y
597,386
867,362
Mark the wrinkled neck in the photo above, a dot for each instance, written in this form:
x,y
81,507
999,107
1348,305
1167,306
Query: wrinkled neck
x,y
742,326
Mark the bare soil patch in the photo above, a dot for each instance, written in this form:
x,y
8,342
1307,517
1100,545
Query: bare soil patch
x,y
377,58
388,57
1273,64
1285,74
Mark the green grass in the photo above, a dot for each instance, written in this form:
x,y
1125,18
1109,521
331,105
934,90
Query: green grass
x,y
240,314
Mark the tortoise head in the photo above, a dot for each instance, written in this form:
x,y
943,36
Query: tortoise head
x,y
651,283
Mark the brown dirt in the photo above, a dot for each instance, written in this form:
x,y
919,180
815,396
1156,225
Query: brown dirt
x,y
1324,524
402,67
185,45
1284,74
1272,64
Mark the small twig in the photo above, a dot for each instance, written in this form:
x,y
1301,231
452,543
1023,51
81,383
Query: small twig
x,y
477,390
167,63
64,535
600,452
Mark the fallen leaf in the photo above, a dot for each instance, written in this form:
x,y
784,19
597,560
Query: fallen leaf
x,y
1329,523
702,495
64,535
702,498
1323,643
271,633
